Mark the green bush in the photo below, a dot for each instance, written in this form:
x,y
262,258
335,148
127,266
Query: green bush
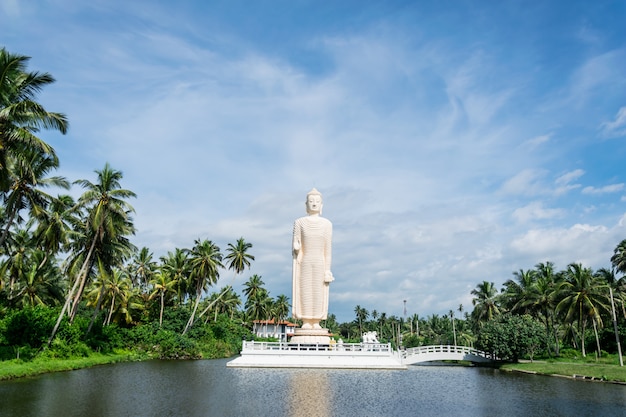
x,y
511,337
61,349
172,345
30,326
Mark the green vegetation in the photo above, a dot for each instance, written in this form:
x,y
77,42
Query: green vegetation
x,y
74,290
605,369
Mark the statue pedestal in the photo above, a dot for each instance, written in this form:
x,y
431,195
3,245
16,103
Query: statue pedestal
x,y
310,337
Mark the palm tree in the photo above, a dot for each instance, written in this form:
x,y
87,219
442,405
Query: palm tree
x,y
609,276
451,314
515,292
163,284
485,302
258,306
226,302
543,298
106,225
238,259
361,315
205,259
20,115
619,257
583,298
40,284
281,309
176,265
54,226
28,175
143,268
252,286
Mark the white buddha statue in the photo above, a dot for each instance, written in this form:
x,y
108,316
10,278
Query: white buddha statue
x,y
312,236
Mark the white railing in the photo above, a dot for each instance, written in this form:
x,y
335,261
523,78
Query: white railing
x,y
444,351
249,346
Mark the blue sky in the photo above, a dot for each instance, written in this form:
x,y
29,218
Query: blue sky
x,y
453,141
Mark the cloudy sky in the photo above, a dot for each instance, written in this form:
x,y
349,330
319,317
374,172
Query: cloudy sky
x,y
453,141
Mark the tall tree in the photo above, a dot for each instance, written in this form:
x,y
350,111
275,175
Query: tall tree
x,y
107,224
584,298
361,315
177,266
163,284
28,175
238,259
21,116
619,257
515,293
205,261
485,302
252,286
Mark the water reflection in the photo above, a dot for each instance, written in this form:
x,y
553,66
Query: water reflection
x,y
209,388
309,394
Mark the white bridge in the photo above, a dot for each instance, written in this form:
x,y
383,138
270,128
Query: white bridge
x,y
349,355
444,353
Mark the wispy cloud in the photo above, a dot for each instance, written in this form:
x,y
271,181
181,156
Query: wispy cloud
x,y
617,127
612,188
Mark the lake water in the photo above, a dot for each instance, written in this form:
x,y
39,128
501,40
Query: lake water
x,y
209,388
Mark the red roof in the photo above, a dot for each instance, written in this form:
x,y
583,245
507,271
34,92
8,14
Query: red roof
x,y
285,322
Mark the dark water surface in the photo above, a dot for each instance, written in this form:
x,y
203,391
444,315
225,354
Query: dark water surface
x,y
209,388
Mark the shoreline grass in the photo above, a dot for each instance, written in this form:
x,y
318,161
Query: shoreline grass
x,y
595,371
17,368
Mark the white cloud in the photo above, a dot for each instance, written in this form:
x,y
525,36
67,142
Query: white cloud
x,y
611,188
527,182
617,127
535,211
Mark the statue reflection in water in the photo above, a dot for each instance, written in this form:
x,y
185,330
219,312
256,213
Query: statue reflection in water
x,y
309,394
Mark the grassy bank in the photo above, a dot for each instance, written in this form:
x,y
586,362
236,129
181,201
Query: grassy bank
x,y
605,369
17,368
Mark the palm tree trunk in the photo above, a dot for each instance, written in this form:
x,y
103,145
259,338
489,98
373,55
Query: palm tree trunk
x,y
97,309
111,310
5,232
595,331
193,314
162,308
228,287
82,278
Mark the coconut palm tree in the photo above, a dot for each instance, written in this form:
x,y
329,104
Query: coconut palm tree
x,y
258,306
142,268
619,257
281,308
205,260
584,298
515,294
176,265
163,284
40,284
107,223
608,275
451,314
21,117
55,226
226,302
485,302
252,286
361,315
28,175
237,259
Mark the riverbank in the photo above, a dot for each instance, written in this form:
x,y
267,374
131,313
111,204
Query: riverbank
x,y
17,368
604,372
